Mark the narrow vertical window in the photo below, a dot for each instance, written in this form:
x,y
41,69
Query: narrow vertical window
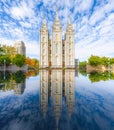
x,y
56,47
56,37
43,39
69,39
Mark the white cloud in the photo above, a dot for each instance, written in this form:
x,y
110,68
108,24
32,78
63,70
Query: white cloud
x,y
98,15
33,49
84,5
25,24
22,11
6,41
109,7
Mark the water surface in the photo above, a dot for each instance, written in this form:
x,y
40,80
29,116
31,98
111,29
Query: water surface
x,y
48,100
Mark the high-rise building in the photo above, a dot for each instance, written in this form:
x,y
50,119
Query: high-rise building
x,y
20,48
56,52
19,88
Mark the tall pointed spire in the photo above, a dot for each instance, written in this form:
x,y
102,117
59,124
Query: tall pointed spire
x,y
57,18
69,26
57,23
44,25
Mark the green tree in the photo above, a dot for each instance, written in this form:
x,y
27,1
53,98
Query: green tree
x,y
94,60
112,61
1,50
19,60
9,51
4,58
104,61
82,64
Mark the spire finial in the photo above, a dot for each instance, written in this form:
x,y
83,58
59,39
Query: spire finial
x,y
44,22
57,13
69,21
56,9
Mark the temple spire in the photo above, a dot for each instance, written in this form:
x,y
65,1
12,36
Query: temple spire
x,y
44,25
57,13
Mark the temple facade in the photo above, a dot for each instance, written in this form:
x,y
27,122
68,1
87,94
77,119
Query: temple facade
x,y
57,52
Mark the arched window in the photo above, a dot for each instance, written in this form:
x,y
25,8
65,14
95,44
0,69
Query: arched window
x,y
42,57
70,39
43,50
56,47
43,39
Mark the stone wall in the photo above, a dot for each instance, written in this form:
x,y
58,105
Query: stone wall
x,y
100,68
13,68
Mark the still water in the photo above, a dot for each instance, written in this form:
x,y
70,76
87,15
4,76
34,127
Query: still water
x,y
51,100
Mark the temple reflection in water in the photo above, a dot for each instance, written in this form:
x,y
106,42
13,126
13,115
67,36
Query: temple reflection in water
x,y
57,91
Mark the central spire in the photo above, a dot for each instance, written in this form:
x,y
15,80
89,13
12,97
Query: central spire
x,y
57,23
57,18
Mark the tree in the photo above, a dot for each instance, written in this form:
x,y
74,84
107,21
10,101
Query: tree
x,y
104,61
112,61
28,61
32,63
10,51
94,60
4,58
1,50
19,60
82,64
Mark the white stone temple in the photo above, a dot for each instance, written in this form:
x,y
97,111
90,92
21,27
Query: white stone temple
x,y
56,52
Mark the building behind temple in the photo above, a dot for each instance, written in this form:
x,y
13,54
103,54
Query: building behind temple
x,y
56,52
20,48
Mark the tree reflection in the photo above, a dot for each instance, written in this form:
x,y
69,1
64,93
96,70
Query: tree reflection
x,y
7,76
83,72
19,77
31,73
100,76
12,81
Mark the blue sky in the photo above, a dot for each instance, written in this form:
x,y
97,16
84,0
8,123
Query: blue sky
x,y
93,21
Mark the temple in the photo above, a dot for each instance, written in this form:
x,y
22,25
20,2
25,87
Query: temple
x,y
57,52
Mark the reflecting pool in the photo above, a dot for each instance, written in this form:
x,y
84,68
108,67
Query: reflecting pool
x,y
56,99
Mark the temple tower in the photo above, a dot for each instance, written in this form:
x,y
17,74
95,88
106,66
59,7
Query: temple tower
x,y
56,48
44,42
69,46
